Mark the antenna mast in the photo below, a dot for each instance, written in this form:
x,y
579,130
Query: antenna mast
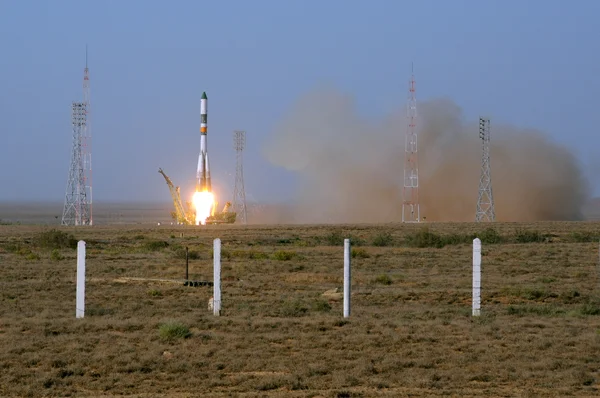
x,y
410,204
87,137
78,197
239,193
485,200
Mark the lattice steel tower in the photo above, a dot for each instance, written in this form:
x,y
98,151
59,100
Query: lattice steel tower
x,y
410,204
78,198
485,200
239,193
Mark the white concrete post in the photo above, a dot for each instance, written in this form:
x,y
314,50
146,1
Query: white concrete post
x,y
217,277
476,277
347,278
80,294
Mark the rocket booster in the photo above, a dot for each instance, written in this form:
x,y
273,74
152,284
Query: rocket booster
x,y
203,173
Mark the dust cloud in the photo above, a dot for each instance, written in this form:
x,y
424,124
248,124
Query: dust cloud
x,y
350,170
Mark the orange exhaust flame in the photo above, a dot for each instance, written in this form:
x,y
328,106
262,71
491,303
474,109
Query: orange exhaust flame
x,y
203,203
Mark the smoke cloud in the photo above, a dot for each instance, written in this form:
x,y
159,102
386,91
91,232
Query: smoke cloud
x,y
351,170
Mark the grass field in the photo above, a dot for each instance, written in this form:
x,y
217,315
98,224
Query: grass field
x,y
281,332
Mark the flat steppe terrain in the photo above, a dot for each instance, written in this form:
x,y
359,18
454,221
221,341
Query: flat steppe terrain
x,y
281,332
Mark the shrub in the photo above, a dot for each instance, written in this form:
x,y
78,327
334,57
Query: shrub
x,y
341,322
383,279
489,236
359,253
288,241
257,255
55,239
283,255
18,248
23,251
55,255
356,241
535,293
335,238
179,252
270,384
541,310
456,239
570,296
173,330
585,237
249,254
321,306
309,242
155,245
591,307
424,238
293,308
524,236
98,311
48,382
12,247
33,256
383,239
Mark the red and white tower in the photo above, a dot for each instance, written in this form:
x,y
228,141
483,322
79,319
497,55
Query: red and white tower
x,y
410,203
86,142
78,197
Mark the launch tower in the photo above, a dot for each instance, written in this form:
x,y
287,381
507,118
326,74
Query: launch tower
x,y
410,204
239,193
485,200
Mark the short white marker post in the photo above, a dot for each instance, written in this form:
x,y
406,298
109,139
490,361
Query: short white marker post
x,y
217,277
347,278
80,295
476,277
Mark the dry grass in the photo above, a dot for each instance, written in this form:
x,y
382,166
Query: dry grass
x,y
410,332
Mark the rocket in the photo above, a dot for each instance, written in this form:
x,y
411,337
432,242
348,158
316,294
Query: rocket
x,y
203,173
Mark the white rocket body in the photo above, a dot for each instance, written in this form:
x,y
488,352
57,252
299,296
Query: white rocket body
x,y
203,173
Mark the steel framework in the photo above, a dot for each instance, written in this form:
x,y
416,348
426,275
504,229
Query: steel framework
x,y
78,197
485,199
239,193
410,204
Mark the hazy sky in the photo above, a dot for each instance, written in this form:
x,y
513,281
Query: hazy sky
x,y
532,64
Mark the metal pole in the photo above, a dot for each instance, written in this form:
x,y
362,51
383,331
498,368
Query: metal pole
x,y
80,294
347,284
217,277
476,277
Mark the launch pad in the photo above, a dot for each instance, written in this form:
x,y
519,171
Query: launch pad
x,y
186,215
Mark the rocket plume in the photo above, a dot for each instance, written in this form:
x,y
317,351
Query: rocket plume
x,y
350,170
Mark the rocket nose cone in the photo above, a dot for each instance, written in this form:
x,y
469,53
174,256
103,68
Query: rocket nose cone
x,y
204,95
